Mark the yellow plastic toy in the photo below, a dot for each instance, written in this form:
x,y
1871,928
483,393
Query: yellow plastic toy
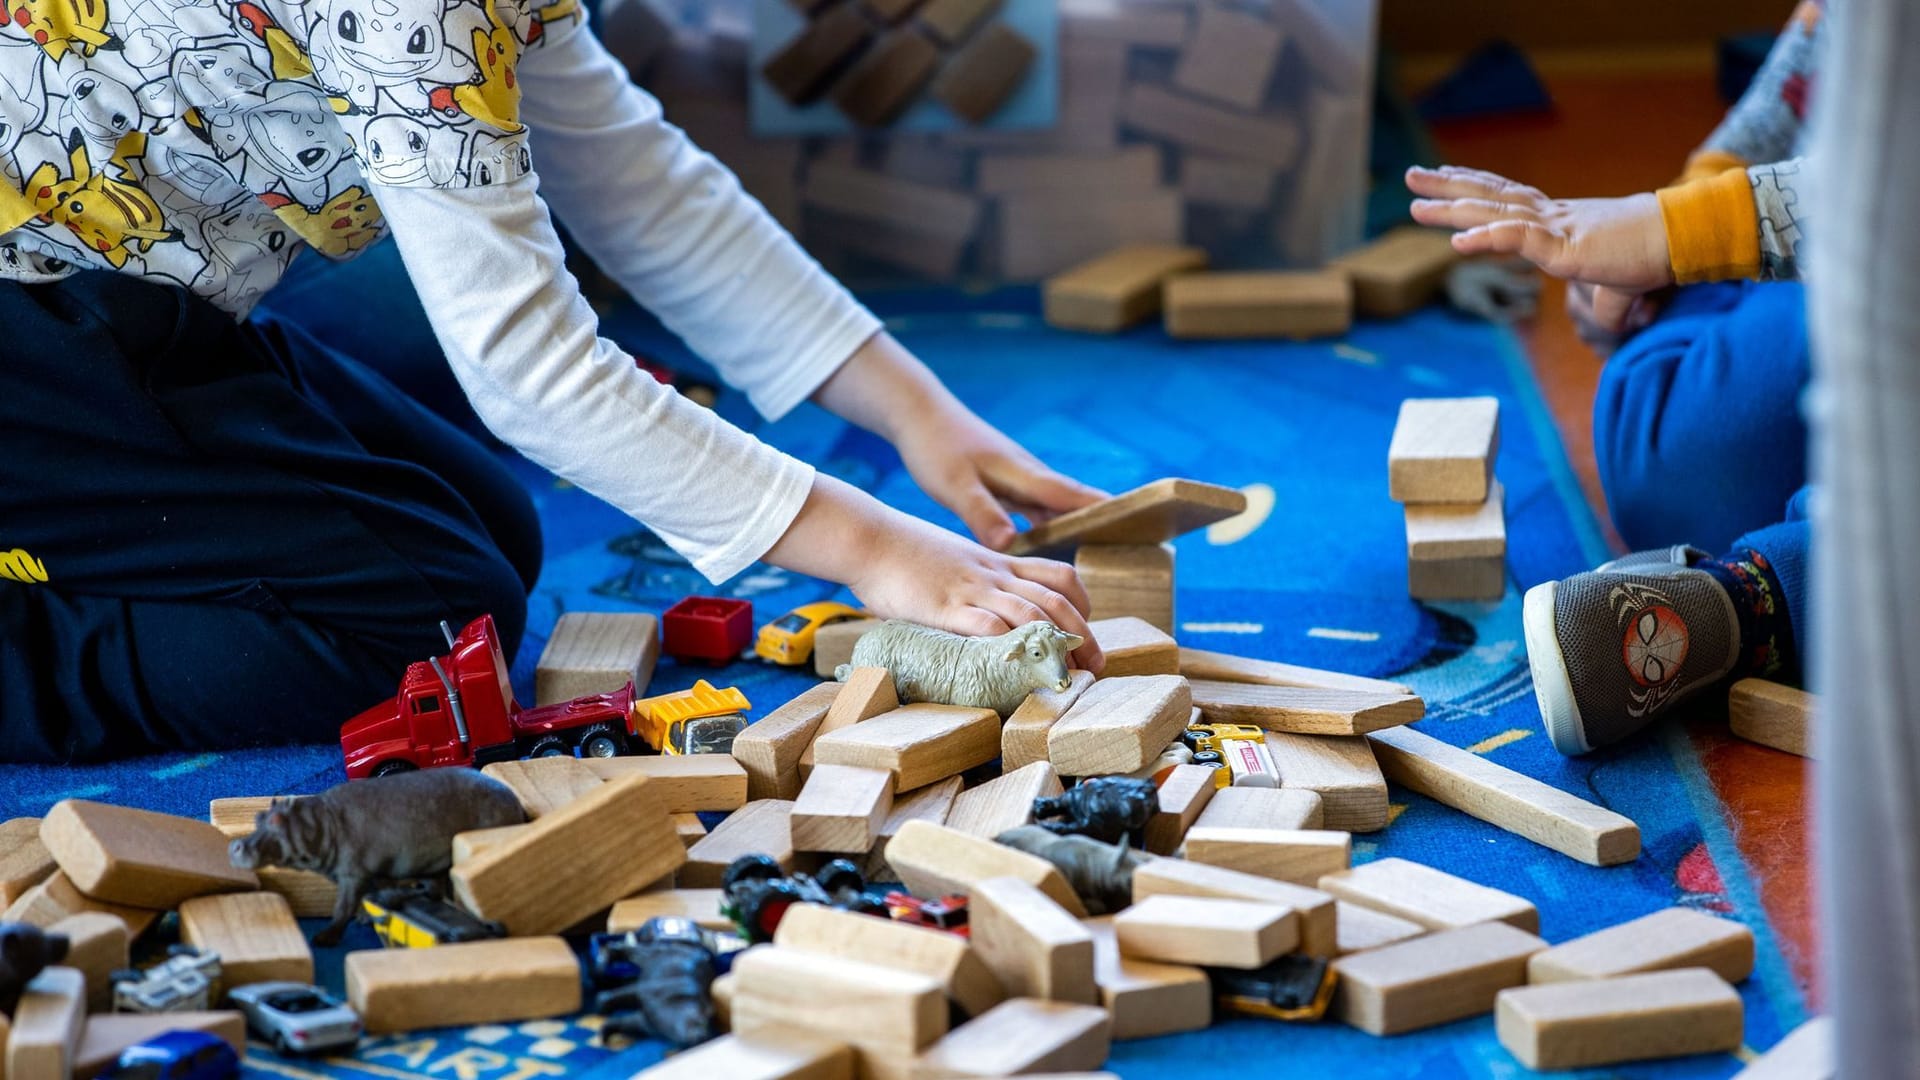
x,y
702,720
788,640
1241,750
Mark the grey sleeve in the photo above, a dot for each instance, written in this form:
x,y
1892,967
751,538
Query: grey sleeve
x,y
1766,123
1777,203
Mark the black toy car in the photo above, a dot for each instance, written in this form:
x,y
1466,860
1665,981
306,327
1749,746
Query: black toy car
x,y
757,892
1293,987
413,917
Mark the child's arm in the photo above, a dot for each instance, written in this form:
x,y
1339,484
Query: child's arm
x,y
1765,124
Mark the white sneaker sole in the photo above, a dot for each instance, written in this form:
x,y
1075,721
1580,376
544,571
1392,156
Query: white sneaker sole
x,y
1552,685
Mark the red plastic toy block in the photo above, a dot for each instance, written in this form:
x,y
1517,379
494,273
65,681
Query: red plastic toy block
x,y
714,629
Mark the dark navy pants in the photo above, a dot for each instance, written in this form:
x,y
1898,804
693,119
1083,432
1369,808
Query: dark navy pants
x,y
244,535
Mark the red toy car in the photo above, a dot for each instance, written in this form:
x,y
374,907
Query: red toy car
x,y
710,629
948,913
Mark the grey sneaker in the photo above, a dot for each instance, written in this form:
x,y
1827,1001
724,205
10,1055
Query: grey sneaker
x,y
1614,648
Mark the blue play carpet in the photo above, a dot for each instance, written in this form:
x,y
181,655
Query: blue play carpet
x,y
1322,581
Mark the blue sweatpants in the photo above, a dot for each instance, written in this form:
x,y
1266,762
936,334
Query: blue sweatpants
x,y
1699,433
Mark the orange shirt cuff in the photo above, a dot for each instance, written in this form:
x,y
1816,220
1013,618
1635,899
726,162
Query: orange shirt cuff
x,y
1713,230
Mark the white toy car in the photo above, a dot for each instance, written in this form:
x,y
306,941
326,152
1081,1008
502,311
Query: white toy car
x,y
297,1018
184,982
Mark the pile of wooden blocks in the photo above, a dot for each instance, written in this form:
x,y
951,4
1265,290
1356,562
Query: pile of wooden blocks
x,y
1440,466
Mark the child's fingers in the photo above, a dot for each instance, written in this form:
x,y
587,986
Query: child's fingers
x,y
974,621
1012,608
985,517
1056,577
1455,182
1611,307
1528,239
1467,213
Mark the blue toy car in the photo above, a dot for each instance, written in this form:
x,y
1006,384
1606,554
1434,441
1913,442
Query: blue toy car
x,y
177,1055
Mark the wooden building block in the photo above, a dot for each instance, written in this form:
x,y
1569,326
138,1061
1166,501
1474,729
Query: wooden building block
x,y
1297,304
1133,580
866,693
1234,185
933,860
792,1056
236,817
1151,514
918,744
55,899
689,828
700,905
308,895
468,844
1459,530
1023,738
1443,450
985,74
931,804
682,783
1230,58
1806,1054
762,827
255,935
545,784
1021,1036
24,860
1362,928
892,12
1302,711
1199,125
953,21
1134,646
476,982
1207,931
1117,290
1297,856
1772,715
769,749
1319,935
1433,898
96,948
802,70
1514,801
949,958
108,1034
1185,794
833,644
1675,937
1338,768
1197,664
1130,168
1260,808
597,652
1043,233
1145,997
125,856
1035,946
888,79
841,809
1610,1021
879,1010
1119,725
1431,980
574,862
1003,803
872,196
1478,578
1400,272
47,1025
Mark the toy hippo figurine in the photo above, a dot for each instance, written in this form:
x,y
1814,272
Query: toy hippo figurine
x,y
1107,808
366,832
1100,874
983,673
25,951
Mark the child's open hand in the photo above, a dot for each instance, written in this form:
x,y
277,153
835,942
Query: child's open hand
x,y
974,470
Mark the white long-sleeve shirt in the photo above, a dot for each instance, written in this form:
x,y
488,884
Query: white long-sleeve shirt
x,y
215,140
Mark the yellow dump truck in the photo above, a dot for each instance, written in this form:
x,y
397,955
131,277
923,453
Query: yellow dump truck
x,y
702,720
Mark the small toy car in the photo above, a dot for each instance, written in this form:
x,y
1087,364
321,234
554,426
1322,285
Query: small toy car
x,y
947,913
756,893
1294,987
1240,750
183,982
788,640
297,1018
177,1055
412,917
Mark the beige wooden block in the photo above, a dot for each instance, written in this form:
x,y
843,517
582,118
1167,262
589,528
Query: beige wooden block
x,y
702,906
1297,304
762,827
1400,272
1130,168
1003,803
1443,450
1043,233
125,856
1338,768
833,644
1199,664
308,895
933,860
722,993
841,809
953,21
476,982
1021,1036
887,79
1431,980
930,804
545,784
1302,711
1035,946
873,196
1119,289
1199,125
255,935
1261,808
1437,531
1363,928
770,747
1772,715
1119,725
1230,58
597,652
866,693
878,1010
108,1034
1145,997
47,1025
1180,877
1152,514
1129,580
469,844
1297,856
1433,898
24,860
984,74
1610,1021
1184,795
918,743
1481,577
1134,646
1223,182
792,1056
55,899
1675,937
1806,1054
1514,801
689,828
574,862
804,67
682,783
236,817
949,958
96,947
1207,931
1023,739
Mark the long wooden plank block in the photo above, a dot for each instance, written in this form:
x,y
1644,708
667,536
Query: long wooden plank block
x,y
254,934
1003,803
950,958
933,860
1772,715
1400,272
980,79
1431,980
1341,770
477,982
1020,1037
1119,725
1610,1021
1207,931
683,783
545,784
1433,898
1200,664
1199,125
1443,450
702,906
107,1035
1299,856
1303,711
876,1009
1184,795
1119,289
1152,514
1675,937
596,652
930,804
1023,738
1258,808
1178,877
1036,947
120,855
770,747
1134,646
24,860
1295,304
47,1025
864,694
55,899
97,947
919,744
762,827
841,808
1147,998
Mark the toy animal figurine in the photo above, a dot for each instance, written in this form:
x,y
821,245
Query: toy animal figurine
x,y
367,832
984,673
669,995
1107,808
1102,874
25,951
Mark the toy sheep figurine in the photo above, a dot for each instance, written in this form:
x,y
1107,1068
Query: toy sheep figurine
x,y
984,673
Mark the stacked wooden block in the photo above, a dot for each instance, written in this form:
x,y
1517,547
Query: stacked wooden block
x,y
1440,466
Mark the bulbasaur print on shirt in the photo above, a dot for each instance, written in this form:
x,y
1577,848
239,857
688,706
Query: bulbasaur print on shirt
x,y
202,142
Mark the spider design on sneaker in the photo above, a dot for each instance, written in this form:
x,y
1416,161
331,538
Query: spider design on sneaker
x,y
1653,645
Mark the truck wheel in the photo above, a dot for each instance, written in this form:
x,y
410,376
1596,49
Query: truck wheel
x,y
551,746
601,741
392,768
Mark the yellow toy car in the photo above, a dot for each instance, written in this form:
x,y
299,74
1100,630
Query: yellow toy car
x,y
788,640
702,720
1239,750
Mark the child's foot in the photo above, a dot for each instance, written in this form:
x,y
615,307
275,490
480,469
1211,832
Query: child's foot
x,y
1614,648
